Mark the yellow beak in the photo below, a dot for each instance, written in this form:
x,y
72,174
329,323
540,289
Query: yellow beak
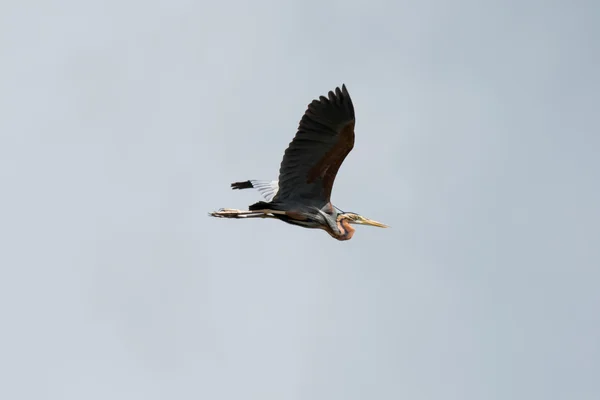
x,y
366,221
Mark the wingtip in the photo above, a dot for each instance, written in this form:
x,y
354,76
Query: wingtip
x,y
345,90
241,185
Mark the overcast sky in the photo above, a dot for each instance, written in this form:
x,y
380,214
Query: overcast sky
x,y
477,139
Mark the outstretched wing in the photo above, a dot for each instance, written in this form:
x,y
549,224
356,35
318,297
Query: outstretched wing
x,y
268,189
325,137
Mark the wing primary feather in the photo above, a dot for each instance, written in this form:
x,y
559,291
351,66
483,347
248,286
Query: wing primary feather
x,y
324,138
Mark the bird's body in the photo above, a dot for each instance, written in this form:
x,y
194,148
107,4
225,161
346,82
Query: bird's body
x,y
301,196
307,215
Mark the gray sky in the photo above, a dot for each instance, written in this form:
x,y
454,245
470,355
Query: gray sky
x,y
124,122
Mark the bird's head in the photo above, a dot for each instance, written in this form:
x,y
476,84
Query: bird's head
x,y
354,218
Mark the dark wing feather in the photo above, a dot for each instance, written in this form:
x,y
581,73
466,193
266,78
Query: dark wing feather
x,y
325,137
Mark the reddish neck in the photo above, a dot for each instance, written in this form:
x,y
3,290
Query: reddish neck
x,y
346,230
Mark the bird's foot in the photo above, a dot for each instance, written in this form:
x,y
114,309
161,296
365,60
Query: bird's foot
x,y
226,213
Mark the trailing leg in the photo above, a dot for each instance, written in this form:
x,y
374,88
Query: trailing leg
x,y
233,213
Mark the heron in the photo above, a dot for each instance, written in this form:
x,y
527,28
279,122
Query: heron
x,y
301,195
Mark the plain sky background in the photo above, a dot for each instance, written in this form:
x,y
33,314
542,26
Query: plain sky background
x,y
477,139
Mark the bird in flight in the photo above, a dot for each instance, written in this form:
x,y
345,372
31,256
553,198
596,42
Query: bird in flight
x,y
302,194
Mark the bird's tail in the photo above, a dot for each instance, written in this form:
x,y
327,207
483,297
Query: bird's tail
x,y
261,205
